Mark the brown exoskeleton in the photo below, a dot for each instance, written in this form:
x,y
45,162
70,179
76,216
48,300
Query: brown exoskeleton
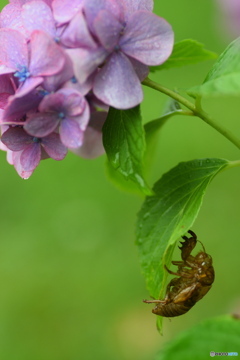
x,y
196,278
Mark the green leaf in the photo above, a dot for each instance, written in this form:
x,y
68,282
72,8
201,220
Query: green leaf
x,y
184,53
219,334
152,129
169,214
124,142
224,77
119,180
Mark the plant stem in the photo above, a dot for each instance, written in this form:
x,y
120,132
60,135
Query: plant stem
x,y
234,163
197,111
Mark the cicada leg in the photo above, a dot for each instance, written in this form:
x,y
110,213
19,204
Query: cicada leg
x,y
181,273
154,301
180,264
173,282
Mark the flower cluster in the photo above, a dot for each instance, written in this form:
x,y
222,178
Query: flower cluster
x,y
61,61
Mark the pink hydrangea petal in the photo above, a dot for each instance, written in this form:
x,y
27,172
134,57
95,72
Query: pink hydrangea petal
x,y
11,18
4,100
64,10
47,58
6,84
18,166
85,61
14,53
108,29
117,83
92,146
27,86
70,133
22,2
77,33
16,139
6,90
83,119
147,38
10,156
54,147
42,15
31,156
41,124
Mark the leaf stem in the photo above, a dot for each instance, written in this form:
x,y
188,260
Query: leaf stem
x,y
196,110
232,164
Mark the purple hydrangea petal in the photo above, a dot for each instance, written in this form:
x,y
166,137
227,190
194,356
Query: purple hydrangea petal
x,y
11,18
142,70
18,107
93,7
14,52
117,83
3,128
96,103
18,166
83,88
16,139
70,133
31,156
73,102
108,29
41,124
54,147
64,10
52,103
147,38
92,146
131,6
47,58
77,33
229,21
85,61
54,82
6,86
42,15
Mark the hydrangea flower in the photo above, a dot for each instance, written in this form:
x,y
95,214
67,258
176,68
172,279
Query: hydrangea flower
x,y
231,13
66,109
32,149
62,60
141,36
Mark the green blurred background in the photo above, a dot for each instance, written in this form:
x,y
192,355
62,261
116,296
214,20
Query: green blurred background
x,y
71,284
